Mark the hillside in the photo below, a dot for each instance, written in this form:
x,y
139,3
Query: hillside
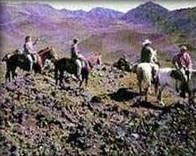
x,y
107,118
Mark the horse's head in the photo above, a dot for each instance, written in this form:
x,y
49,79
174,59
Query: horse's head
x,y
47,53
6,57
154,58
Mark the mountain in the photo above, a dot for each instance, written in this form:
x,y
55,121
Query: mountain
x,y
100,29
104,13
183,20
40,11
73,14
177,22
147,14
94,13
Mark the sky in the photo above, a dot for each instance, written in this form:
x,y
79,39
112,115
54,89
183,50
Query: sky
x,y
120,5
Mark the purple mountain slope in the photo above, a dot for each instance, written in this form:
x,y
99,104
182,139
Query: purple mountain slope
x,y
146,13
73,14
104,12
184,20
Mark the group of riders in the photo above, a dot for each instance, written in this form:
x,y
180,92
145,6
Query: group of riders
x,y
76,56
181,61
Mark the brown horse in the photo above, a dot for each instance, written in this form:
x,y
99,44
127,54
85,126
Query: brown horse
x,y
15,60
66,64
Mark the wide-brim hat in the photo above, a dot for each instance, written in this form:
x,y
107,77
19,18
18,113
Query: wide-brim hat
x,y
147,41
183,48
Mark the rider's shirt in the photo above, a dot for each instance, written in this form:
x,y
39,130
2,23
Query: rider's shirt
x,y
183,60
146,54
74,51
29,47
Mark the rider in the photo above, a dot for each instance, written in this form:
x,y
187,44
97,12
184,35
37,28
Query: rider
x,y
183,63
29,49
147,52
182,60
77,57
148,55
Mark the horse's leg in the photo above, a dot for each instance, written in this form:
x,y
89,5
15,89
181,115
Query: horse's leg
x,y
159,97
81,82
7,76
86,81
140,86
146,94
13,71
56,75
139,83
147,89
156,87
14,74
61,77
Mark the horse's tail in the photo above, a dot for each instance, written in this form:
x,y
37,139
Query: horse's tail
x,y
56,72
144,76
5,58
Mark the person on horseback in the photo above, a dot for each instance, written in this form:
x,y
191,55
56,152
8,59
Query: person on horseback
x,y
183,63
29,49
148,54
183,60
77,58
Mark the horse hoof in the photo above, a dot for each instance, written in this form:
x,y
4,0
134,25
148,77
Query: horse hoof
x,y
161,103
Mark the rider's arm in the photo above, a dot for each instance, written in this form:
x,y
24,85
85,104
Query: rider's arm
x,y
35,42
188,61
175,62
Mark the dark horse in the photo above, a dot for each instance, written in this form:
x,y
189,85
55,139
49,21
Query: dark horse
x,y
66,64
15,60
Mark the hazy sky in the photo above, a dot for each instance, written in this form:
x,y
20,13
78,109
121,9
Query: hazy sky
x,y
121,5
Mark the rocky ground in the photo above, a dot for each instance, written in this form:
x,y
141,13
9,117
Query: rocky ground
x,y
106,118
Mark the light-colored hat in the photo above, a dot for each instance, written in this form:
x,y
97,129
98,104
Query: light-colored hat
x,y
183,48
147,41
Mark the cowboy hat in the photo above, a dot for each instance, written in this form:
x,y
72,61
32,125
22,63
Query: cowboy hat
x,y
183,48
147,41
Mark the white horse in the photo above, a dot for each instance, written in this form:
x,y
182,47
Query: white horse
x,y
146,74
172,79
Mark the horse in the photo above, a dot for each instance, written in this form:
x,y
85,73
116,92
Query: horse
x,y
20,60
68,65
146,74
173,79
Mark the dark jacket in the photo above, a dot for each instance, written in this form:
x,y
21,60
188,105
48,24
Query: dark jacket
x,y
146,54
